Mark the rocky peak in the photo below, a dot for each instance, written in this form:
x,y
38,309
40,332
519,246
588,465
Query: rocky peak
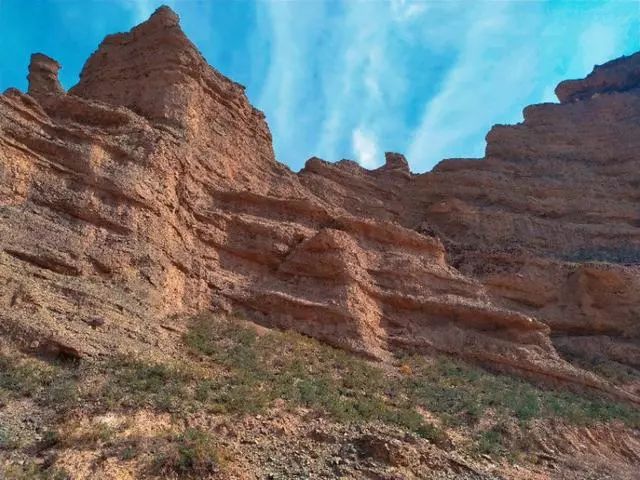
x,y
618,75
43,76
137,69
156,71
163,17
395,161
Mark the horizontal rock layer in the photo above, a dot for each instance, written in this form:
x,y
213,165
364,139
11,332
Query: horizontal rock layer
x,y
150,191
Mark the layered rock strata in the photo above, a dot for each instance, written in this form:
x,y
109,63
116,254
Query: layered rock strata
x,y
548,221
150,191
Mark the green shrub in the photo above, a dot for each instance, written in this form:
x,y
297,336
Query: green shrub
x,y
136,383
8,441
457,392
490,442
52,385
192,454
129,451
24,378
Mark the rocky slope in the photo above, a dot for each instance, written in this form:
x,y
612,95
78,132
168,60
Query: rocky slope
x,y
150,191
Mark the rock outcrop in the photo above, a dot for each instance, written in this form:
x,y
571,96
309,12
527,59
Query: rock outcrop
x,y
43,76
618,75
150,191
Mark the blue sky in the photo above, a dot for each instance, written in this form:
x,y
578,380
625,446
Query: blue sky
x,y
353,79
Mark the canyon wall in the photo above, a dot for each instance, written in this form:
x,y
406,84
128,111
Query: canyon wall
x,y
150,191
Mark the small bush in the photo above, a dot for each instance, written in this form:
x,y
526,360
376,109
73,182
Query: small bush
x,y
129,451
24,378
192,454
432,433
490,442
8,441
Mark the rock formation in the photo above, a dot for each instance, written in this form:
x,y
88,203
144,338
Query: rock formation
x,y
150,191
43,76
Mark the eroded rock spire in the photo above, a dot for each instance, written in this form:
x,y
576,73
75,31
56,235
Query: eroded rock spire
x,y
43,76
395,161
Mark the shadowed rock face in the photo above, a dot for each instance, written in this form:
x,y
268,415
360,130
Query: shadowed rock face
x,y
150,191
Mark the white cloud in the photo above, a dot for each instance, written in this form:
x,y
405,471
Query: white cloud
x,y
404,10
143,9
365,148
594,39
287,95
491,76
425,78
514,55
334,69
599,43
366,80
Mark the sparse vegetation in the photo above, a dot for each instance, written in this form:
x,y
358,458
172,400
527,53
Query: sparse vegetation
x,y
49,384
491,441
302,372
230,369
460,393
191,454
628,255
32,471
129,451
613,371
136,383
7,439
308,373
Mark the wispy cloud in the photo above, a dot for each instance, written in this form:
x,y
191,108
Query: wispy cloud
x,y
425,78
512,55
288,95
352,79
334,70
365,148
488,82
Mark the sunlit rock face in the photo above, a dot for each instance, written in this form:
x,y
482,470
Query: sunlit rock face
x,y
150,192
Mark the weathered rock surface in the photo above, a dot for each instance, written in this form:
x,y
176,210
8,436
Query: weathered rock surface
x,y
43,76
618,75
150,190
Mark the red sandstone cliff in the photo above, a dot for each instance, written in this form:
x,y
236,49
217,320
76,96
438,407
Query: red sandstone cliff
x,y
150,190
